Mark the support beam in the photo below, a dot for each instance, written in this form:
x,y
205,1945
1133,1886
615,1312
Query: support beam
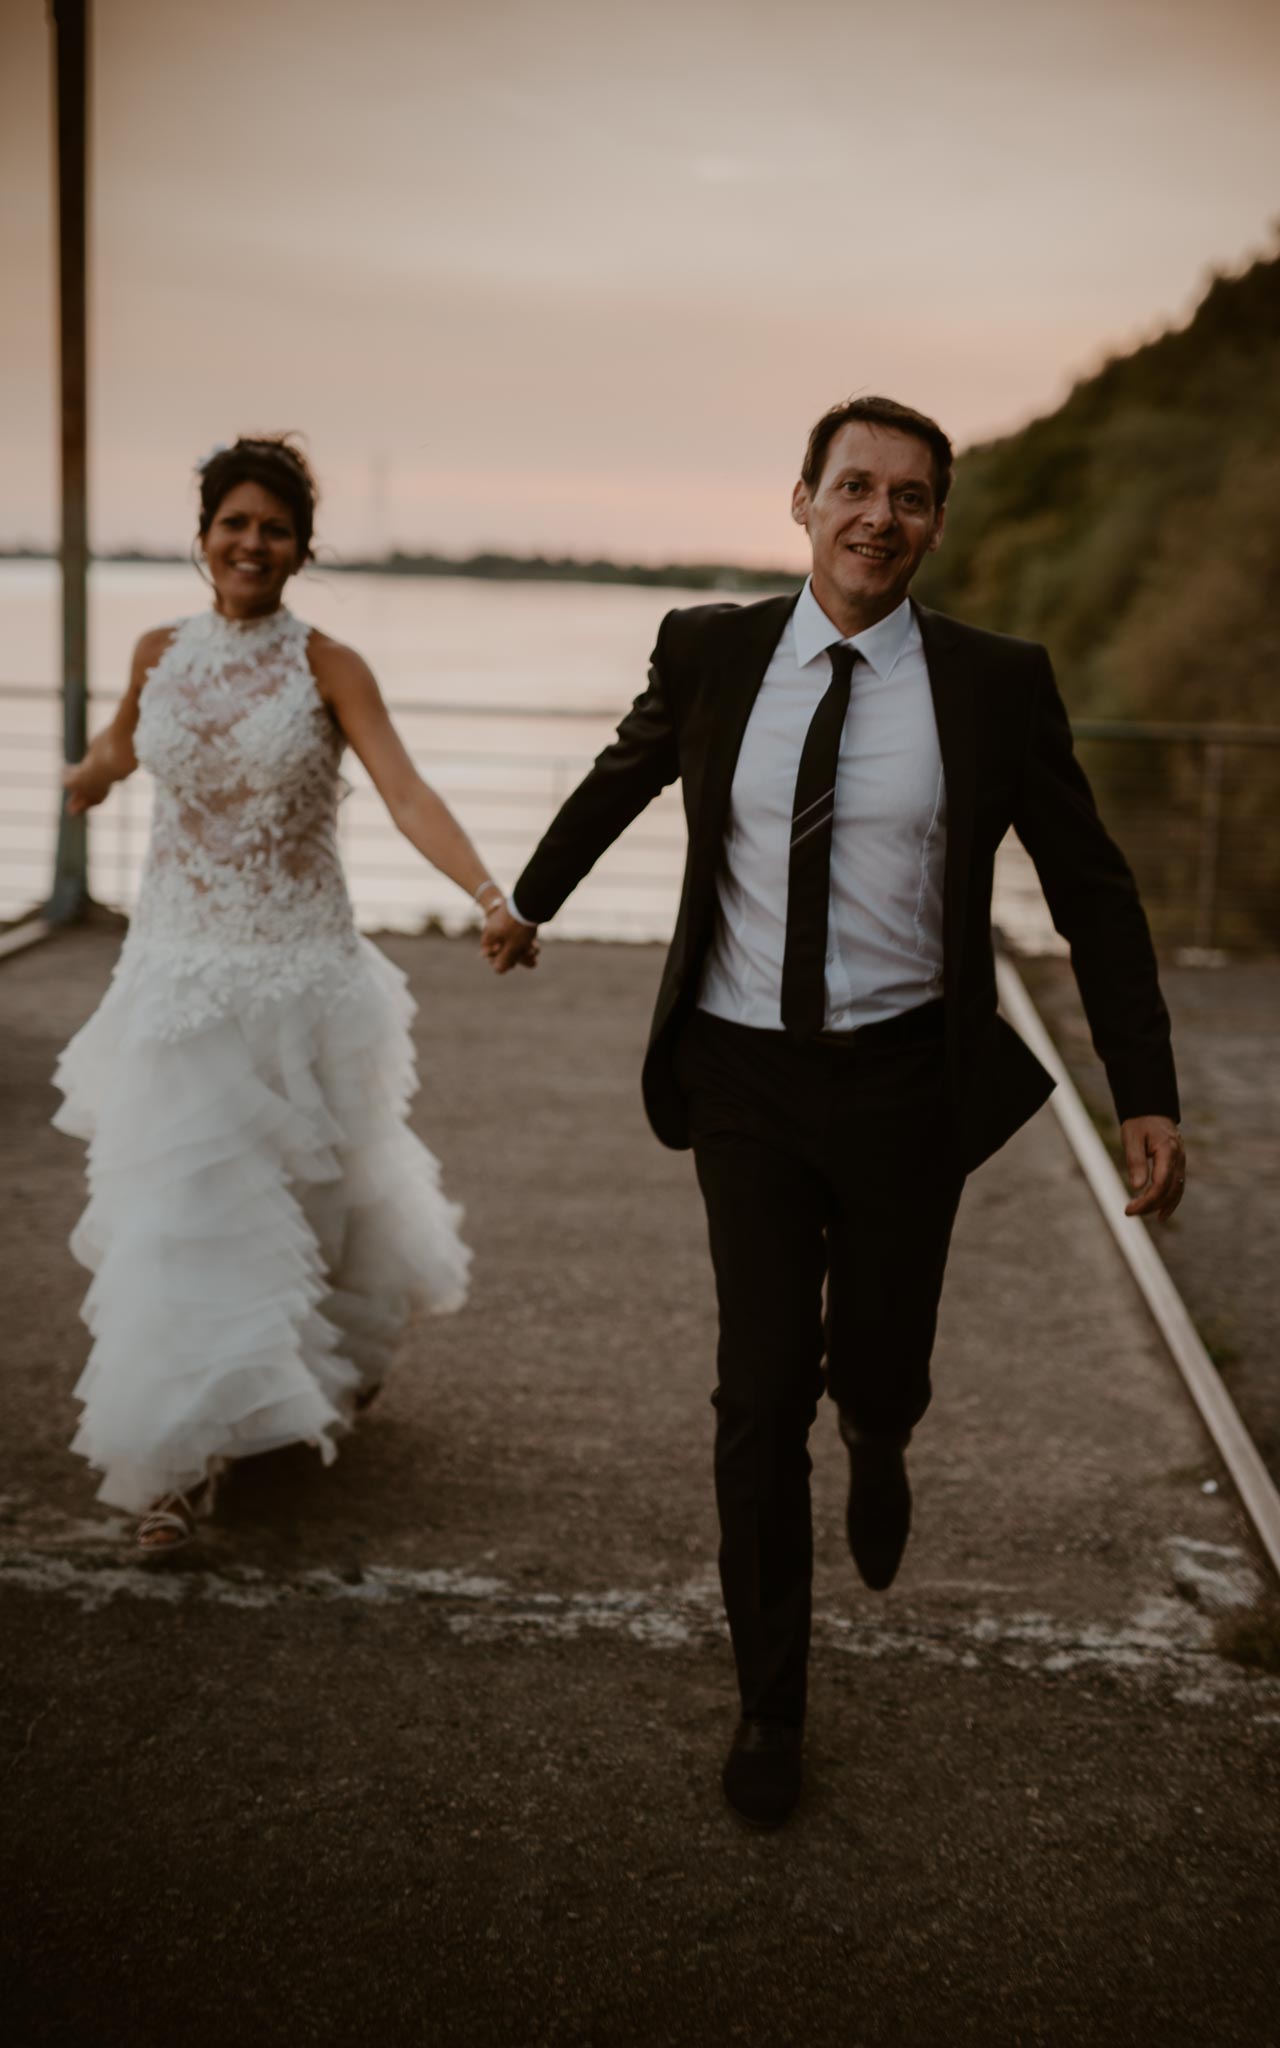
x,y
70,22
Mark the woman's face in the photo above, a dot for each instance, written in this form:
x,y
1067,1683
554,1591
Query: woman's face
x,y
252,551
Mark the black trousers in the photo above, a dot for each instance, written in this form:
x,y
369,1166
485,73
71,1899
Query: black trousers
x,y
827,1164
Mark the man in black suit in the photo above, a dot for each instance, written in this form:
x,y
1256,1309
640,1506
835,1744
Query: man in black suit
x,y
826,1035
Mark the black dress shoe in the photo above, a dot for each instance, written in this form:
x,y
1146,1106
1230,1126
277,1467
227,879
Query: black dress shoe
x,y
879,1512
762,1772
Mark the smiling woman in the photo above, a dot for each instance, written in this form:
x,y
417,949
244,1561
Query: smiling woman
x,y
257,518
261,1220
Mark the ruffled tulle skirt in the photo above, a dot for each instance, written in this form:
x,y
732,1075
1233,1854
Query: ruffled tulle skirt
x,y
261,1221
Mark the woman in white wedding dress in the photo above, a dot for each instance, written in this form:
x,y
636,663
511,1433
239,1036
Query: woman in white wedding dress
x,y
261,1221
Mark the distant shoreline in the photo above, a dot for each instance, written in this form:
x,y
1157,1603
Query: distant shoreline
x,y
499,568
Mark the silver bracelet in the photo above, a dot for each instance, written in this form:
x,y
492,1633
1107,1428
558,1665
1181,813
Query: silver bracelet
x,y
490,884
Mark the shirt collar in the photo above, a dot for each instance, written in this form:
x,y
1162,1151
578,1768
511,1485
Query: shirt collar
x,y
879,646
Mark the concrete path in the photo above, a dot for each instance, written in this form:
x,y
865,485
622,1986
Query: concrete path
x,y
425,1748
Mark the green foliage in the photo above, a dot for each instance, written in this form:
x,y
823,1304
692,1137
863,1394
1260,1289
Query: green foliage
x,y
1136,531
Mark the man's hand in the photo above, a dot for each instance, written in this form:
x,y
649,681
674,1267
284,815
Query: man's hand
x,y
507,943
1157,1165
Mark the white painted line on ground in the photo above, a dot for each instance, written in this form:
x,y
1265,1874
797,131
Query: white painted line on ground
x,y
1170,1636
1218,1411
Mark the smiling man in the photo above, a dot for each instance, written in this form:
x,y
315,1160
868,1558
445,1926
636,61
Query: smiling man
x,y
826,1035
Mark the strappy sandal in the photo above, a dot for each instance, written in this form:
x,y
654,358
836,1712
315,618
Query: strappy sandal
x,y
167,1527
170,1524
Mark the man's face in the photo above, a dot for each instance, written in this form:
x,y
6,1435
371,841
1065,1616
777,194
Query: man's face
x,y
871,518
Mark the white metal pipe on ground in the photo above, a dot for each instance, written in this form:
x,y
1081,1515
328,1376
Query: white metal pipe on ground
x,y
1218,1411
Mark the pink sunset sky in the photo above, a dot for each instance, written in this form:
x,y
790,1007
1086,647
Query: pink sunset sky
x,y
568,275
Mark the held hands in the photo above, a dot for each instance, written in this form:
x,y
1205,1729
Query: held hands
x,y
506,942
1156,1163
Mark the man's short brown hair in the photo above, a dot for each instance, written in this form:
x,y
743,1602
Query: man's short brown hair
x,y
879,412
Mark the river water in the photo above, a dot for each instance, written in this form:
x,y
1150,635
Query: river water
x,y
504,692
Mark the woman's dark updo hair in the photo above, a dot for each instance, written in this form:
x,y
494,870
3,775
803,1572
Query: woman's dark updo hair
x,y
273,461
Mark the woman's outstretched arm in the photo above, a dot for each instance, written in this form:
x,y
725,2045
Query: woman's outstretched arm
x,y
347,685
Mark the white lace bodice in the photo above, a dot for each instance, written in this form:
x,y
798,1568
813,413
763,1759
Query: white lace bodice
x,y
242,881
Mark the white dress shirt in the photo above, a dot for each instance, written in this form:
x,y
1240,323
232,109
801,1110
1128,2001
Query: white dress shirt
x,y
884,925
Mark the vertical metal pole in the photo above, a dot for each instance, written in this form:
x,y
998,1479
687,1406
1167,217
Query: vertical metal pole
x,y
1210,843
70,20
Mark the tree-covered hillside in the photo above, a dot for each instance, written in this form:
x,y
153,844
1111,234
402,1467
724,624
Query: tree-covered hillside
x,y
1136,531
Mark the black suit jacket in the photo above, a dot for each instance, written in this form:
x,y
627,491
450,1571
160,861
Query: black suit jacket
x,y
1008,761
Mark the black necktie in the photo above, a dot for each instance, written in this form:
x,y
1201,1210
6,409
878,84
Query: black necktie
x,y
804,959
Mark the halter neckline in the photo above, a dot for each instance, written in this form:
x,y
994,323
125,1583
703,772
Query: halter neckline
x,y
244,629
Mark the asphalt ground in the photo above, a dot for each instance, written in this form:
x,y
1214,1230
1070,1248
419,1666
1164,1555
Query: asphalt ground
x,y
425,1748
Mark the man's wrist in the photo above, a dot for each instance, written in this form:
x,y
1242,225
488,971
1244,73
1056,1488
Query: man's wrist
x,y
519,916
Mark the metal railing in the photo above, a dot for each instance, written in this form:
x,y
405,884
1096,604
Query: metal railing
x,y
504,793
1196,808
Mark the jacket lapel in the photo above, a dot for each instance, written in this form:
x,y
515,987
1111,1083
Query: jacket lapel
x,y
952,684
746,647
735,668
